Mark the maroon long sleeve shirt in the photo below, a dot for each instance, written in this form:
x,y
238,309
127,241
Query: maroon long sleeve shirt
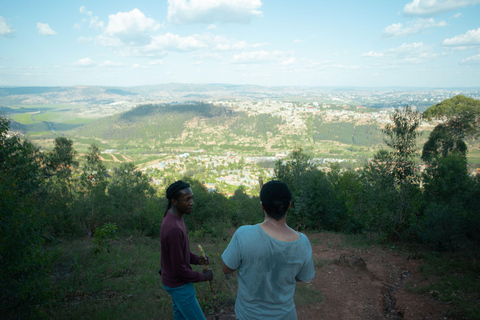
x,y
176,256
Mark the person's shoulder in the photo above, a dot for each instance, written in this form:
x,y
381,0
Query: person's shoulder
x,y
172,229
245,230
304,238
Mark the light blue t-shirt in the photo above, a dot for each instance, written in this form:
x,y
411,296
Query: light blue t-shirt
x,y
266,272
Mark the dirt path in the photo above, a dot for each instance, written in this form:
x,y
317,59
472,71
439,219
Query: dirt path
x,y
372,283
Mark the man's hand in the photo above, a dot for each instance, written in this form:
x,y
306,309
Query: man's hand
x,y
208,274
203,261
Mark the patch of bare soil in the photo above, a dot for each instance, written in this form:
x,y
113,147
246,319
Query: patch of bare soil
x,y
372,283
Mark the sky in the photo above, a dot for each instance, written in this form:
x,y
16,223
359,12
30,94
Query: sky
x,y
381,43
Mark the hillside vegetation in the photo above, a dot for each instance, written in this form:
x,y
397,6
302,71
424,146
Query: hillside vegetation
x,y
48,198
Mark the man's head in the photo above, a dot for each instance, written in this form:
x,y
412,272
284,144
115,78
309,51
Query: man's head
x,y
180,196
275,197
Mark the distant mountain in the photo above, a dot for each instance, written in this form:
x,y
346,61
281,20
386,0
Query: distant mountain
x,y
386,97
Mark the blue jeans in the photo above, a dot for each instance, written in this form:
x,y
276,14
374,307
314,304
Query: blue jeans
x,y
185,304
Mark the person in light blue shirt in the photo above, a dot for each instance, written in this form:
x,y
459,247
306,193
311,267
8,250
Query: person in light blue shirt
x,y
270,257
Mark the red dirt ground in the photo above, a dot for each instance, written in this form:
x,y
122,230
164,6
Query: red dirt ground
x,y
367,284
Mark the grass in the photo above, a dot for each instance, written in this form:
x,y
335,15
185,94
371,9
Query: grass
x,y
121,284
305,294
359,241
320,263
459,280
125,284
23,118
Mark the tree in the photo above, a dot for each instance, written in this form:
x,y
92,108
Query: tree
x,y
93,185
59,198
402,138
442,142
23,262
314,203
61,160
392,179
461,120
129,192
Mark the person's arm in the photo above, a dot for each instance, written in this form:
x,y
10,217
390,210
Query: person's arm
x,y
307,272
232,256
179,266
226,269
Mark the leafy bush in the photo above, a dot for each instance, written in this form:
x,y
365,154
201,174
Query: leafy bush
x,y
23,262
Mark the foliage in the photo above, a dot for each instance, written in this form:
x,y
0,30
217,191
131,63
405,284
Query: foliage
x,y
129,190
442,142
465,110
23,262
401,137
451,218
397,174
103,237
61,161
92,187
461,120
345,132
315,205
59,188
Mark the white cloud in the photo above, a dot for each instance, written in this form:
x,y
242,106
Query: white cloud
x,y
173,42
471,38
210,11
5,29
138,66
45,30
397,30
410,53
220,43
130,27
373,54
211,27
433,7
288,61
95,22
213,56
106,41
458,15
85,62
471,60
259,57
157,63
298,41
110,64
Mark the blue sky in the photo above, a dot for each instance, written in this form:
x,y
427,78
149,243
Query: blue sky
x,y
415,43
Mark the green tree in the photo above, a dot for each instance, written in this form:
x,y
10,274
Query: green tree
x,y
23,262
461,120
61,164
129,192
93,184
451,219
62,160
315,205
392,178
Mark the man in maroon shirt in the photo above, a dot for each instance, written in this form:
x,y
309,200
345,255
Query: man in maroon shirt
x,y
177,274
